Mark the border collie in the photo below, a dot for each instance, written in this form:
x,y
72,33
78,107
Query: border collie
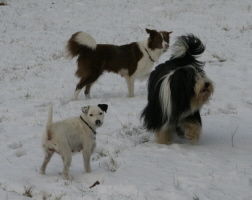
x,y
131,61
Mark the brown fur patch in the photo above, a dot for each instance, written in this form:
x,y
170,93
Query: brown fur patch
x,y
191,129
49,135
73,47
166,36
109,58
164,136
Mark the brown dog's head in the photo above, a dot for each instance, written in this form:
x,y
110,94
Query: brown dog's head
x,y
158,40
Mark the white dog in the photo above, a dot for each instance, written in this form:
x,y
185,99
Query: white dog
x,y
72,135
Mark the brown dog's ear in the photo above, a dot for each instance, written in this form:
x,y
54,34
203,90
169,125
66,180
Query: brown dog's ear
x,y
104,107
151,32
85,109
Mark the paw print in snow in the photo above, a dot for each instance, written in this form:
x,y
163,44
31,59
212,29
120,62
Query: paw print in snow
x,y
20,152
15,145
18,147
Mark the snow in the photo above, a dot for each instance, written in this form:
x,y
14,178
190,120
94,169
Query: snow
x,y
127,162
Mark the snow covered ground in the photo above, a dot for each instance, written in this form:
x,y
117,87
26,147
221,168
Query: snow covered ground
x,y
127,162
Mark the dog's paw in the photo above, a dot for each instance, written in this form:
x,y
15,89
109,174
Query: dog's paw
x,y
65,175
192,131
64,102
167,142
164,137
87,96
87,171
193,137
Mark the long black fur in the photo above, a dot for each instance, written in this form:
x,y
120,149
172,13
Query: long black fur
x,y
182,82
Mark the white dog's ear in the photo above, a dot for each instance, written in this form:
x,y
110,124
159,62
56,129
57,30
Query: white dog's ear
x,y
104,107
85,109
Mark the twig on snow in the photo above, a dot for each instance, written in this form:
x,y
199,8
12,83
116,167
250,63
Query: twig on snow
x,y
233,134
96,183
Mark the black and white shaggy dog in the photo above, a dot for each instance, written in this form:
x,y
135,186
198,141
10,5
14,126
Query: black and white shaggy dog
x,y
177,89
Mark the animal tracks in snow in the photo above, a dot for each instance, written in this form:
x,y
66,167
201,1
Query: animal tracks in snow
x,y
17,146
109,151
20,152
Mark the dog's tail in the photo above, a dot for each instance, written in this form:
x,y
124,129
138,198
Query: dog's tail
x,y
49,117
80,41
188,48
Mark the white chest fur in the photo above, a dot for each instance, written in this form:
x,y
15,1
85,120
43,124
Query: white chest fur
x,y
145,64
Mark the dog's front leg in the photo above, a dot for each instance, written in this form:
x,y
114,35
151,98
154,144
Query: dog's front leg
x,y
67,159
192,130
164,135
86,159
191,126
130,83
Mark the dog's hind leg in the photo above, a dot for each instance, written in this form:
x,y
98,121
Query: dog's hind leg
x,y
76,94
89,82
87,91
79,86
85,82
164,135
48,156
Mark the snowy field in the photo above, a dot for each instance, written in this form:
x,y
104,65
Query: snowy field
x,y
127,162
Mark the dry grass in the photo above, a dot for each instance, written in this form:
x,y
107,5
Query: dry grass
x,y
28,192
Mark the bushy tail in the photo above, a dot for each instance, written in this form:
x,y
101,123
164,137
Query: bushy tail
x,y
49,117
188,47
78,42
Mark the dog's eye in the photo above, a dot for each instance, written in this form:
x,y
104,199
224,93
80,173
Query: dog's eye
x,y
91,115
100,113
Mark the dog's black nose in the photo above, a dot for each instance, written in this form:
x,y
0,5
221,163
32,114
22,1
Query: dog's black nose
x,y
206,84
98,122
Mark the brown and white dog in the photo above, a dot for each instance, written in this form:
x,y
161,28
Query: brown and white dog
x,y
131,61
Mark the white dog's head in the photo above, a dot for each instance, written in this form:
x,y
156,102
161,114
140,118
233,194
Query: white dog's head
x,y
94,115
